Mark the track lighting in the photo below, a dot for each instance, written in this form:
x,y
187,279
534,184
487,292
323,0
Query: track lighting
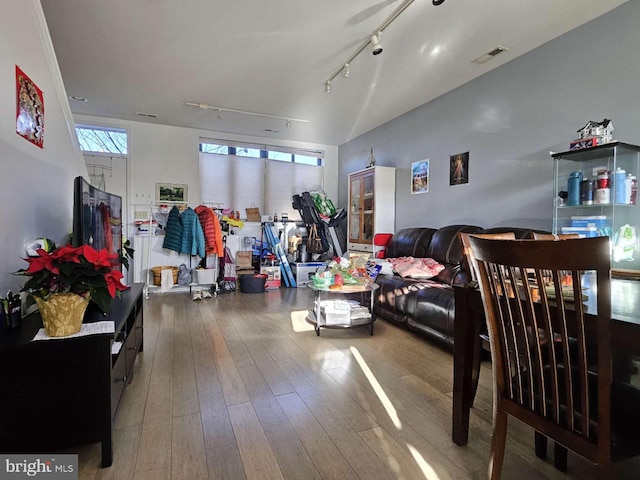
x,y
219,110
345,71
375,44
288,124
327,86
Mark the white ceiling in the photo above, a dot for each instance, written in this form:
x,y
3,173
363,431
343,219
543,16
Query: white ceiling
x,y
273,57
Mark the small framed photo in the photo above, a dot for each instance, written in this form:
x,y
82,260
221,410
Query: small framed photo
x,y
420,177
459,168
171,192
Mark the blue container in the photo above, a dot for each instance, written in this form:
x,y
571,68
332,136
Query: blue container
x,y
573,188
619,186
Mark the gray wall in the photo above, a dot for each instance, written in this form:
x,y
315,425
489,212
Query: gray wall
x,y
509,119
36,184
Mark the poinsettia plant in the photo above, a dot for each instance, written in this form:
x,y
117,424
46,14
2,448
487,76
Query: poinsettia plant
x,y
82,270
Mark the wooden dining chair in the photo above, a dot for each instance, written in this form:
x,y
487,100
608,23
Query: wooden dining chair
x,y
551,386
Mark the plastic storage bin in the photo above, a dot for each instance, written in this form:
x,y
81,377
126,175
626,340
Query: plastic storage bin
x,y
252,283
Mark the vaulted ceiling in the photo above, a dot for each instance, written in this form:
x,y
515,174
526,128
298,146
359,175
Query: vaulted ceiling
x,y
152,56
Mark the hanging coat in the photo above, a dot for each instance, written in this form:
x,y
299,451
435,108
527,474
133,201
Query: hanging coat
x,y
212,231
192,234
173,231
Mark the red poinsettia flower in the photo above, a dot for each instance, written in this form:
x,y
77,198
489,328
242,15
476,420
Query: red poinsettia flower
x,y
66,254
43,262
113,282
100,258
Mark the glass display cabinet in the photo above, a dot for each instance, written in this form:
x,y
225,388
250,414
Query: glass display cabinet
x,y
596,194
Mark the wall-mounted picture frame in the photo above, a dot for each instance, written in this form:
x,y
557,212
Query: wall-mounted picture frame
x,y
459,168
171,192
29,109
420,177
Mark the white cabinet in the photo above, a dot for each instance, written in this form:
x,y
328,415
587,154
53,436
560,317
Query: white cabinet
x,y
372,206
612,213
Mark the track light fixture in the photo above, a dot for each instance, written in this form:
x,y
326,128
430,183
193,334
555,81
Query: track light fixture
x,y
287,124
375,44
219,110
374,40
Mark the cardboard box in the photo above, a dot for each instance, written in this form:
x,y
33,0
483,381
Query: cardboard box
x,y
244,259
253,214
302,271
274,277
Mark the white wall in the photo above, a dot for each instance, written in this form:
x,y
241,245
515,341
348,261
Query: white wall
x,y
36,185
167,154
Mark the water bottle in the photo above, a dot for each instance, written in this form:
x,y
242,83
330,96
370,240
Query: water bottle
x,y
634,190
619,185
627,188
573,187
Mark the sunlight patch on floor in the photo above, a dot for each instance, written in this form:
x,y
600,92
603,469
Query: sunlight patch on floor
x,y
384,399
429,473
299,322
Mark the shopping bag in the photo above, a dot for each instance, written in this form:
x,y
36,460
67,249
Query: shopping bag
x,y
314,242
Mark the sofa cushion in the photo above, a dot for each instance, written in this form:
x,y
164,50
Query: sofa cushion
x,y
410,242
431,309
391,298
446,248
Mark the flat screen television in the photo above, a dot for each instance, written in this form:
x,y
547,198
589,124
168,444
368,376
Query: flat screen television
x,y
97,218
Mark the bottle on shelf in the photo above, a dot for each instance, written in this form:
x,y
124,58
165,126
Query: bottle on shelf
x,y
573,187
619,178
603,191
634,190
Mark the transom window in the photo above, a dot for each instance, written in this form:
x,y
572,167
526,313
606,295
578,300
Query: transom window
x,y
102,140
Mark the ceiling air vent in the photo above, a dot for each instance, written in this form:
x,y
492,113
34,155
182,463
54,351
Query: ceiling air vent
x,y
485,57
148,115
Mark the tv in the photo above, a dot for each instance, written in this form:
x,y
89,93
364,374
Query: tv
x,y
97,218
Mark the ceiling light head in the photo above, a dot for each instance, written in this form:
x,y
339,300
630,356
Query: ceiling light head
x,y
345,71
375,44
219,114
327,86
288,124
77,98
438,2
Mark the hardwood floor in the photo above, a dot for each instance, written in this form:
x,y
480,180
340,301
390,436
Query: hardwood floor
x,y
240,387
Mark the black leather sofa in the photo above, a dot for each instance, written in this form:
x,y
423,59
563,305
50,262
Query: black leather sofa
x,y
428,306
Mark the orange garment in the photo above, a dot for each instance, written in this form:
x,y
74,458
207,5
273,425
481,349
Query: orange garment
x,y
212,230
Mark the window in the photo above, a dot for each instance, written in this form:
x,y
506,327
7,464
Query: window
x,y
102,140
243,176
214,148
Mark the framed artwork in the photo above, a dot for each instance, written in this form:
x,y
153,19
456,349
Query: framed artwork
x,y
459,168
171,192
29,109
420,177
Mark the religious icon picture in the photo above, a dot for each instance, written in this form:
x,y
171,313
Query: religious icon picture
x,y
459,168
420,177
29,109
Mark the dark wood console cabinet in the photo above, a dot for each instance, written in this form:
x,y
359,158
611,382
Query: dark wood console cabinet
x,y
60,393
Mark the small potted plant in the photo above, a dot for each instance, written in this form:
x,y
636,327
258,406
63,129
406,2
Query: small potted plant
x,y
64,281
